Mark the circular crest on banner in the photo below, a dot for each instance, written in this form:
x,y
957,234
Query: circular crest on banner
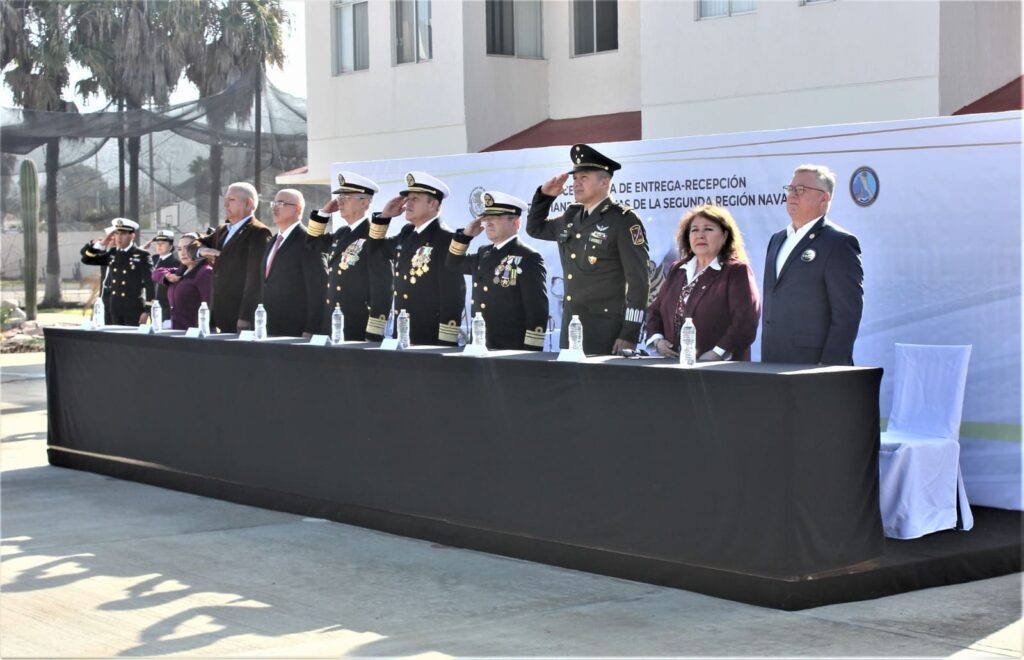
x,y
476,202
864,186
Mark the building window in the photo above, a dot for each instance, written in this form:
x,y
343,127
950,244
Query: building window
x,y
413,34
595,26
716,8
351,37
514,28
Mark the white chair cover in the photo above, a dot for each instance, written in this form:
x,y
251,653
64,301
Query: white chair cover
x,y
919,458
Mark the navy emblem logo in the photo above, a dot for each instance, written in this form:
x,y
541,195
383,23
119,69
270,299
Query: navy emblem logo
x,y
410,180
864,186
341,179
488,200
476,202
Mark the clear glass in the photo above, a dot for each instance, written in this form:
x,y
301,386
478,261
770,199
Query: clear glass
x,y
479,330
156,316
260,323
575,334
204,319
337,325
99,312
688,344
403,329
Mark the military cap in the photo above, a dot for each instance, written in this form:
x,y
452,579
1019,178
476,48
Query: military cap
x,y
124,224
350,182
422,182
499,203
586,158
164,235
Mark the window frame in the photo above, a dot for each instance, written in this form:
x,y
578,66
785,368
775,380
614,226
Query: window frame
x,y
515,40
572,31
415,33
729,13
336,67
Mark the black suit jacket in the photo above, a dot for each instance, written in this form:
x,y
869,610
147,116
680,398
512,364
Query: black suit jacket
x,y
432,294
236,273
291,291
358,278
811,312
509,290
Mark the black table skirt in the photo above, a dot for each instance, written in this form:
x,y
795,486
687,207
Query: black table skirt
x,y
762,469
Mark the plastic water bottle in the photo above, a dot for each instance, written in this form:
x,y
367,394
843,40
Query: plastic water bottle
x,y
688,343
403,329
479,330
99,313
204,320
575,334
260,323
156,316
337,325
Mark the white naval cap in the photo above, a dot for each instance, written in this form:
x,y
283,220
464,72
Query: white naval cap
x,y
124,224
164,235
499,203
350,182
422,182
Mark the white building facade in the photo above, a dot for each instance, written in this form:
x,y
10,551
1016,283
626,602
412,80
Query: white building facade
x,y
405,78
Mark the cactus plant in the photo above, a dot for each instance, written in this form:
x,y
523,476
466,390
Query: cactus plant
x,y
30,233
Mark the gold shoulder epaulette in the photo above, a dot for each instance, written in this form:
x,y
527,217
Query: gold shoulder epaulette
x,y
375,326
448,332
535,337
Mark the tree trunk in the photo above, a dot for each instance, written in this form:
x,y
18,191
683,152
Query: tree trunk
x,y
120,164
259,121
134,147
216,161
51,294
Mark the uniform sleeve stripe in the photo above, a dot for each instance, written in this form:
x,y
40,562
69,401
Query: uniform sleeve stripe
x,y
634,315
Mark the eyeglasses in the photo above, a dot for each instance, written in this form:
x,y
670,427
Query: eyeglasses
x,y
344,196
278,204
800,190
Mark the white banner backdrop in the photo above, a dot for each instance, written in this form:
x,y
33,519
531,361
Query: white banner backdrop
x,y
941,239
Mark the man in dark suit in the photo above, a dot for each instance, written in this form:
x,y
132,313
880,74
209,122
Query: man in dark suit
x,y
359,280
237,248
603,248
813,294
128,276
431,294
292,277
509,278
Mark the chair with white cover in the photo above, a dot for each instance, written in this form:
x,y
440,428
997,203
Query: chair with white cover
x,y
920,484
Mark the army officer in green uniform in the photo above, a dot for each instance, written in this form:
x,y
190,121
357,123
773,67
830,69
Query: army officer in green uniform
x,y
509,279
603,248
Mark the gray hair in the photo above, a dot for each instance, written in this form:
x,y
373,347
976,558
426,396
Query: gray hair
x,y
826,177
297,195
248,190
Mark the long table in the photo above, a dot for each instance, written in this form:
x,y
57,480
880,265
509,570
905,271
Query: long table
x,y
637,468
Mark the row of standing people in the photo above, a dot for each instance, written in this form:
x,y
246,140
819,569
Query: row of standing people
x,y
811,315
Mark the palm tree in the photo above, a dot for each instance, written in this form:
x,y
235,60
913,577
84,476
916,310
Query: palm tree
x,y
35,41
242,37
135,52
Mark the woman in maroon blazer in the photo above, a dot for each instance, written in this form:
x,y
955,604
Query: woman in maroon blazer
x,y
710,283
187,286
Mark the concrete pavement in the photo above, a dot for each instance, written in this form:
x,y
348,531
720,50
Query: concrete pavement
x,y
93,566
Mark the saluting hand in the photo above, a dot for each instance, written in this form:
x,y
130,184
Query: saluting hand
x,y
147,244
553,186
331,206
394,207
474,227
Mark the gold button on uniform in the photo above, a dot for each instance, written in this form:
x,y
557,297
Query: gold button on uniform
x,y
474,285
579,235
405,296
483,305
568,298
485,288
569,276
572,256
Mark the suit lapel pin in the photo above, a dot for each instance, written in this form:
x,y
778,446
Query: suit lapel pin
x,y
811,237
808,256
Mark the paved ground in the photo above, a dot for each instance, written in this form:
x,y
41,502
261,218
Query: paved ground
x,y
93,566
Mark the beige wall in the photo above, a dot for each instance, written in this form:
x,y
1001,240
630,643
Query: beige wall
x,y
386,111
981,50
787,65
597,84
503,95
